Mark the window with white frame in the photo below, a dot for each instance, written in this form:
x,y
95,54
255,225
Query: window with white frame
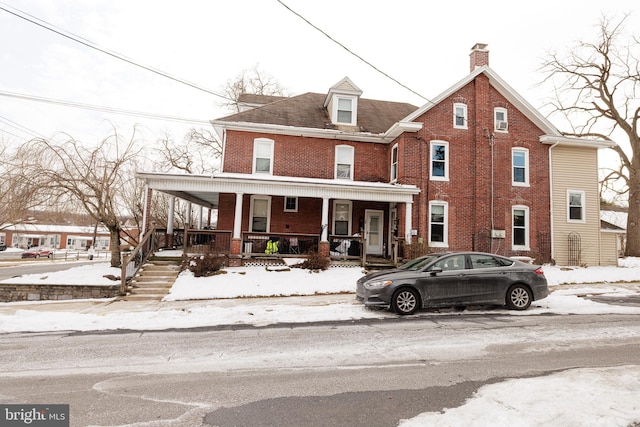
x,y
394,163
500,122
344,111
460,119
344,162
576,206
439,153
520,167
438,223
520,228
341,217
291,204
260,214
263,156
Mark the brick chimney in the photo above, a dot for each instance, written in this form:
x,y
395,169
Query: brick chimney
x,y
479,56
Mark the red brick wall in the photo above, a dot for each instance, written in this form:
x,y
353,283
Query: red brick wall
x,y
306,157
468,191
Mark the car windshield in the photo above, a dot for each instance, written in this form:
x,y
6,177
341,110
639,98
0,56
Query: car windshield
x,y
418,263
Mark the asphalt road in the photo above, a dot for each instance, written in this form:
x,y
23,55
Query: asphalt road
x,y
17,267
360,373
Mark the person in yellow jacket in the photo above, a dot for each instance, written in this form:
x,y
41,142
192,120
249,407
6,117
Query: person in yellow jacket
x,y
272,246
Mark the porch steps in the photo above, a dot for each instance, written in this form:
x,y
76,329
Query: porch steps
x,y
153,281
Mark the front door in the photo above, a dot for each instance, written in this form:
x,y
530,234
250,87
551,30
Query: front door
x,y
374,221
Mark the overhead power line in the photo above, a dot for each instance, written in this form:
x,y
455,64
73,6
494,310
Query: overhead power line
x,y
353,53
64,33
101,108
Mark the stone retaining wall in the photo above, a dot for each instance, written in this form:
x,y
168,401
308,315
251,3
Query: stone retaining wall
x,y
9,292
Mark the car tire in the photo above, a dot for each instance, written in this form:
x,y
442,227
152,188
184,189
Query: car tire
x,y
37,256
519,297
405,301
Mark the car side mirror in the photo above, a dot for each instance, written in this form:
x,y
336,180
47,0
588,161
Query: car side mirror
x,y
435,270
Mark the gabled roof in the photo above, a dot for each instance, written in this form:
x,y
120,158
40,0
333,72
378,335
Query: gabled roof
x,y
551,134
307,111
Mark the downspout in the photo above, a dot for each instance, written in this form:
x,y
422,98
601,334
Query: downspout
x,y
492,143
552,223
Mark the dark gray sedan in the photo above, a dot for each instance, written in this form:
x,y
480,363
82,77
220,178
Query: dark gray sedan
x,y
454,279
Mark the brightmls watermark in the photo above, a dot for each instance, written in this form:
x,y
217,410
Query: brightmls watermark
x,y
34,415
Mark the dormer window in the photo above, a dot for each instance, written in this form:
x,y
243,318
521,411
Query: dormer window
x,y
345,111
342,103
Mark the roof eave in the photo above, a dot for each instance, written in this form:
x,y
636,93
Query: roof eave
x,y
220,126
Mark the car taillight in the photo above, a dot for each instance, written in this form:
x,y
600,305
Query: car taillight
x,y
539,271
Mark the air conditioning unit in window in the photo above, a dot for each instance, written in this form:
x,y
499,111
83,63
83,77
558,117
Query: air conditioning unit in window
x,y
502,125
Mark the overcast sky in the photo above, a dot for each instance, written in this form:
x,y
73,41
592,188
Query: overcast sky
x,y
424,45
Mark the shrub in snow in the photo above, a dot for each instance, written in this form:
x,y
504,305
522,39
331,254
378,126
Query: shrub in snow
x,y
314,262
205,265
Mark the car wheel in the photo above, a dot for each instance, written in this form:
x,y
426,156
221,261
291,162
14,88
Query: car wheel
x,y
405,301
37,256
519,297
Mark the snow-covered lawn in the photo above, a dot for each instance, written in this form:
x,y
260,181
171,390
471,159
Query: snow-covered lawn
x,y
603,396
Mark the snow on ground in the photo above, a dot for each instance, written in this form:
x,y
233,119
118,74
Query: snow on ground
x,y
603,397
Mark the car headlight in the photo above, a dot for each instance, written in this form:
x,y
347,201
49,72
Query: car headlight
x,y
376,284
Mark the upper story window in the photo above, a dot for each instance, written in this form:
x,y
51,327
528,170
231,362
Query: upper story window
x,y
520,228
460,118
344,162
394,163
263,156
520,167
500,123
576,206
438,223
439,161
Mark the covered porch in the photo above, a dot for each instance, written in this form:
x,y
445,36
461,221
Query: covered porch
x,y
265,216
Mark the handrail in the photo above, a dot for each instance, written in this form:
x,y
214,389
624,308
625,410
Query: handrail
x,y
129,267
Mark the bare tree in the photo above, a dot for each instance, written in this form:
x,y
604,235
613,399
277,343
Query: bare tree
x,y
93,177
253,81
199,152
18,192
597,88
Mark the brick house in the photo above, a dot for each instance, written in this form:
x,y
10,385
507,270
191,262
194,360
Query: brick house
x,y
473,169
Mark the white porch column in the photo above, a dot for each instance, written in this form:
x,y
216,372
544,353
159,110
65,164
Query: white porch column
x,y
237,220
171,214
324,236
200,218
407,221
188,218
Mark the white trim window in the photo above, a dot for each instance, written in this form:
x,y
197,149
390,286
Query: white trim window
x,y
576,206
345,110
520,167
439,161
342,217
520,228
291,204
263,156
460,118
438,224
394,163
344,162
500,120
260,214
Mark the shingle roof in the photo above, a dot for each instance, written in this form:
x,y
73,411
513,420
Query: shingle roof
x,y
307,111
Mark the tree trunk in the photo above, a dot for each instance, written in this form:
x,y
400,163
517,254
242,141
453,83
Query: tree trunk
x,y
633,221
116,260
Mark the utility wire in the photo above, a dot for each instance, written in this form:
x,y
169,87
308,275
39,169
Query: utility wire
x,y
18,126
50,27
101,108
353,53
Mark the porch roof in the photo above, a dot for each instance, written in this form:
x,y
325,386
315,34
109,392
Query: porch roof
x,y
204,190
